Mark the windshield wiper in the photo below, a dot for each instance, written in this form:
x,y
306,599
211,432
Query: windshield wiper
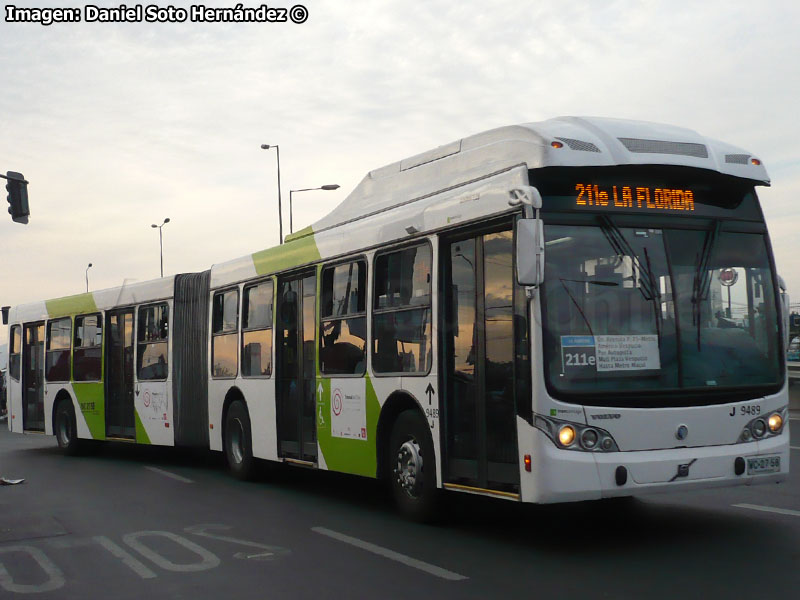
x,y
648,286
578,306
702,276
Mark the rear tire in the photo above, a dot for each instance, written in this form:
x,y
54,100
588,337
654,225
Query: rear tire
x,y
239,442
412,467
65,428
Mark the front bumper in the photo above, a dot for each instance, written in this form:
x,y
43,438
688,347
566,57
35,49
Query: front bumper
x,y
567,475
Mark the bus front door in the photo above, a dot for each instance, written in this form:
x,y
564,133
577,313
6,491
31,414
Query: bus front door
x,y
33,377
120,419
478,332
296,367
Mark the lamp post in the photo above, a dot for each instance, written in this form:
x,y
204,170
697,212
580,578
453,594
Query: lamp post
x,y
87,277
160,242
280,210
332,186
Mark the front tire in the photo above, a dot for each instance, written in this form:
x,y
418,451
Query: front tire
x,y
239,442
65,428
413,467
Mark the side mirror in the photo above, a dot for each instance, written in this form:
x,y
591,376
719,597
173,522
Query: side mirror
x,y
530,252
530,236
5,310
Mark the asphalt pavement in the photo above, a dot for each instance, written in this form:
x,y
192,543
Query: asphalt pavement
x,y
133,522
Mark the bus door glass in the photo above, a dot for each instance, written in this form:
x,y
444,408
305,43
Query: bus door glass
x,y
120,420
480,358
152,372
33,377
296,367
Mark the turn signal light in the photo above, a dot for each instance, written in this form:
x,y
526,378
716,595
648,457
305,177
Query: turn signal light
x,y
755,161
556,144
528,463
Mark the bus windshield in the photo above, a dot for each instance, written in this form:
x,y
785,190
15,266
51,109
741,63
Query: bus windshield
x,y
632,309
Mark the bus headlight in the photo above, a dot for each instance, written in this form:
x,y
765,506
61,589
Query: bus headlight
x,y
761,428
589,438
565,434
775,422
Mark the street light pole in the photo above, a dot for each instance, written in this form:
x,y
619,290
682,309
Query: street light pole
x,y
160,243
332,186
280,210
87,277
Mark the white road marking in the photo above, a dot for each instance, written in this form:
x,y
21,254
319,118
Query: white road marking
x,y
208,560
168,474
770,509
391,554
55,578
202,530
126,557
261,555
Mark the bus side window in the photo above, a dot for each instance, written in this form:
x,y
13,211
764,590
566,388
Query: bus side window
x,y
225,333
257,330
401,316
153,341
343,327
59,333
87,348
14,346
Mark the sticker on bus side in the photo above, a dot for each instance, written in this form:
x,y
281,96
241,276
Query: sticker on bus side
x,y
348,409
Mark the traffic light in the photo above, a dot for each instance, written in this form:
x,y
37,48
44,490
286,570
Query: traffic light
x,y
17,189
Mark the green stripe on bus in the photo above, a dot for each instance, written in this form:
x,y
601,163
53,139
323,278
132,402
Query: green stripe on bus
x,y
71,305
141,434
286,256
299,234
91,399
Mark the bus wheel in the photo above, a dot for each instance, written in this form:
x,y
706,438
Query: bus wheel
x,y
66,430
239,441
413,467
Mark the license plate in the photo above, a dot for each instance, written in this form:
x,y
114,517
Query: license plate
x,y
763,464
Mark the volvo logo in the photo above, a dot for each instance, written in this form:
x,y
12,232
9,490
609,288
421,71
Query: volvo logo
x,y
682,432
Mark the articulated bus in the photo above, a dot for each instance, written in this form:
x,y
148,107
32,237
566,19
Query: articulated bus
x,y
574,309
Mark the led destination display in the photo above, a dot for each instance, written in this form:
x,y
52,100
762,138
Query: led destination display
x,y
655,190
627,196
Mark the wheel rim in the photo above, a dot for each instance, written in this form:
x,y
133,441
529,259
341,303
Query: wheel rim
x,y
63,430
236,441
408,470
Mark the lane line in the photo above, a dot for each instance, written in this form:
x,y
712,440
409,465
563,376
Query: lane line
x,y
391,555
770,509
168,474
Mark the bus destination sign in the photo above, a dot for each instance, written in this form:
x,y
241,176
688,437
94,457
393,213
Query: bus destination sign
x,y
631,196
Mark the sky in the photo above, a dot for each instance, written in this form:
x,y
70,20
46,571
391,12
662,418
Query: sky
x,y
120,125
